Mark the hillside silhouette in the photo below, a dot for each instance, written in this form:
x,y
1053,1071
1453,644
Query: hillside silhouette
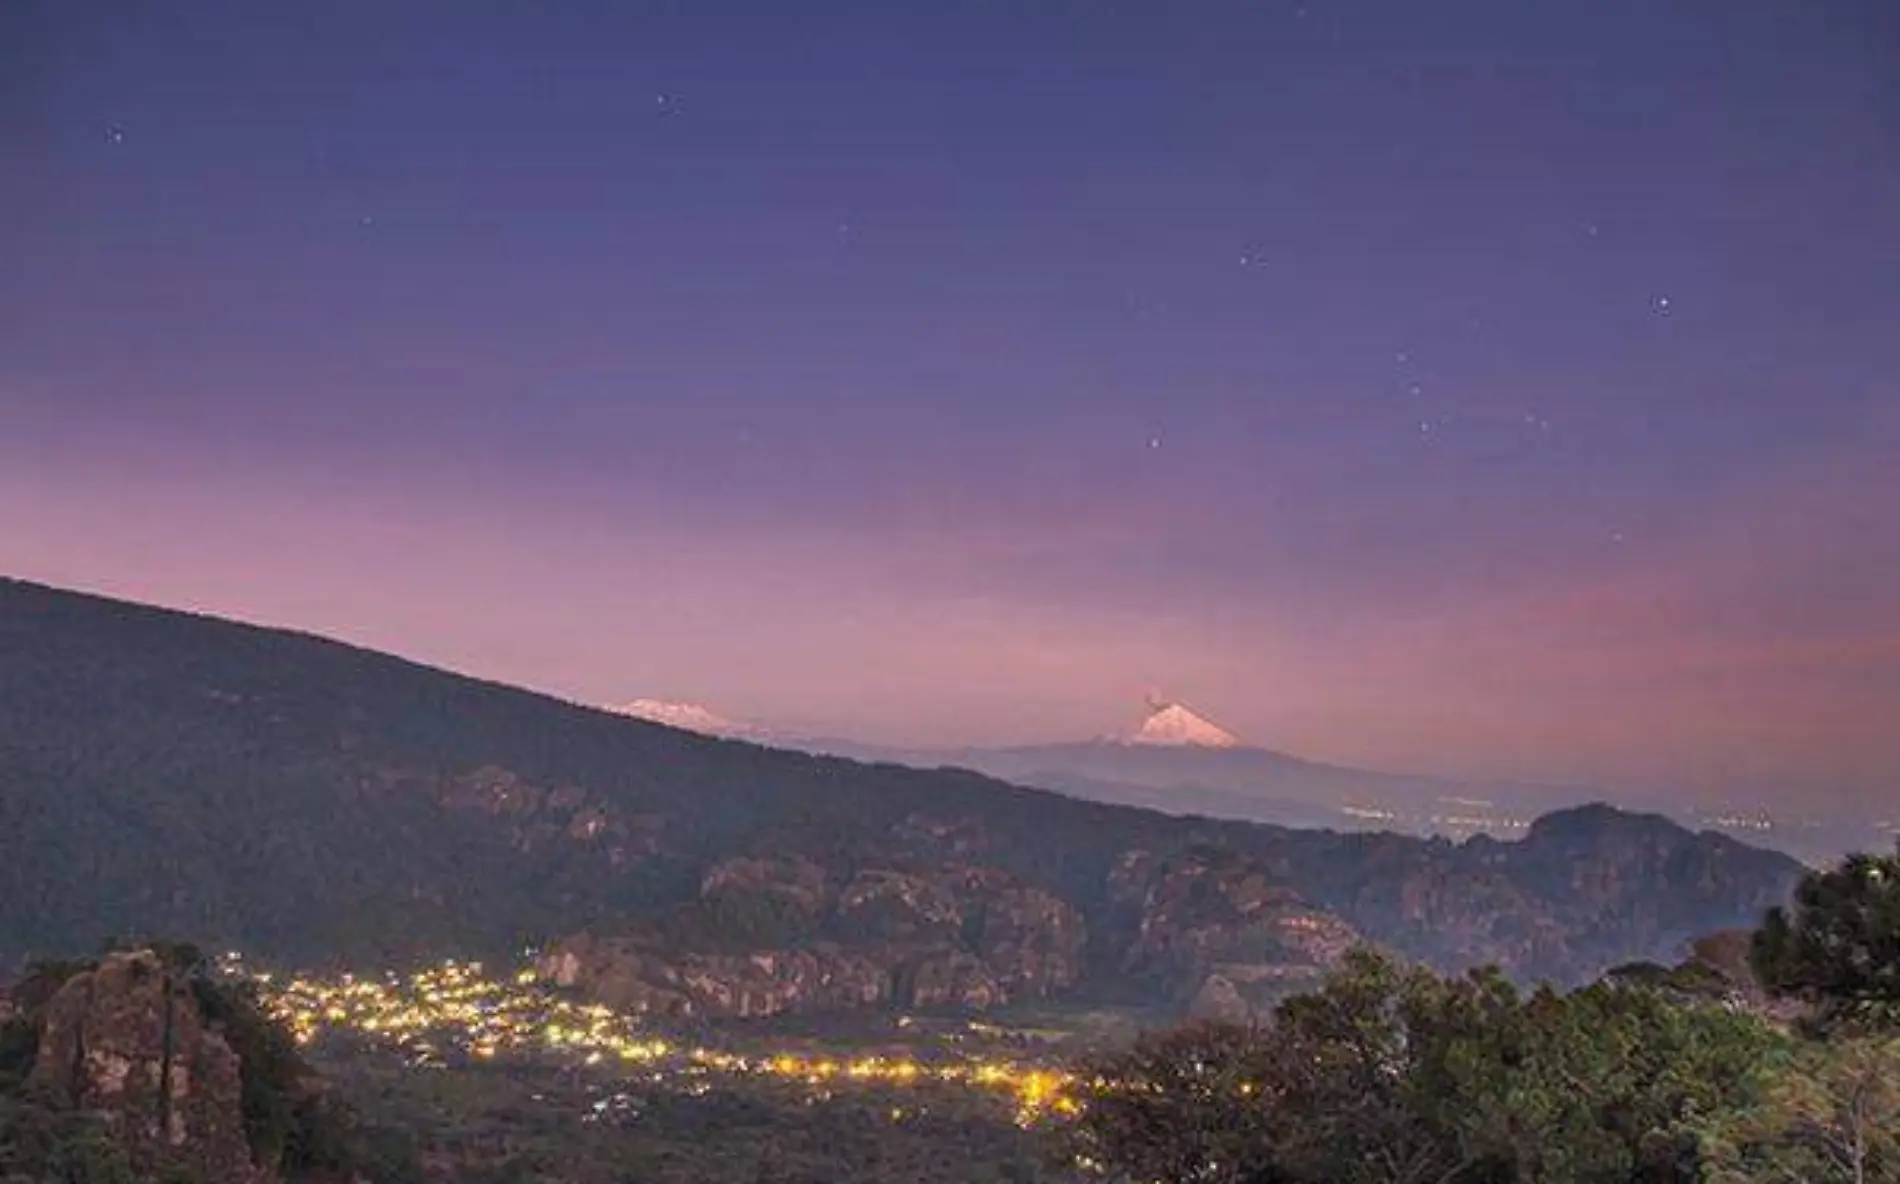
x,y
311,802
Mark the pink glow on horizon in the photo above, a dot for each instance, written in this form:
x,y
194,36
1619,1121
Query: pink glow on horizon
x,y
1631,674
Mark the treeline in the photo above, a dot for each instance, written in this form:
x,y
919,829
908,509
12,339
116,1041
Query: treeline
x,y
1766,1056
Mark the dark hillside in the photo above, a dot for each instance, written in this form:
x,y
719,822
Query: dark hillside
x,y
313,802
163,769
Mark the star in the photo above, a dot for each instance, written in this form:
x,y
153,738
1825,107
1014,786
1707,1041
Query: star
x,y
1662,305
115,134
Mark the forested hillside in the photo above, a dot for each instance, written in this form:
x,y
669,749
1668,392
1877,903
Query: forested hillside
x,y
312,802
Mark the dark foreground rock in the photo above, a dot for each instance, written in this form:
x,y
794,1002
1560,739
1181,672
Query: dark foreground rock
x,y
142,1066
126,1040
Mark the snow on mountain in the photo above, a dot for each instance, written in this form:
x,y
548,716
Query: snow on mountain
x,y
1168,725
690,717
1173,725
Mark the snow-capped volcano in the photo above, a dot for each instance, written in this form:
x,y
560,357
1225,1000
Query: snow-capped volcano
x,y
1173,725
690,717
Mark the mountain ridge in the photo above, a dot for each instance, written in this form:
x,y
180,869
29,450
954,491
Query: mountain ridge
x,y
1224,777
316,802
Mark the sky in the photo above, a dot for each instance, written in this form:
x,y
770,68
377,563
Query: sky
x,y
1475,387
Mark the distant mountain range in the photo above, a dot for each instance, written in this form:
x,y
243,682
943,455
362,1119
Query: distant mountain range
x,y
1177,761
310,802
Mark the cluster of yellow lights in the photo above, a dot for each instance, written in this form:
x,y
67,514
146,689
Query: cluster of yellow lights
x,y
457,1006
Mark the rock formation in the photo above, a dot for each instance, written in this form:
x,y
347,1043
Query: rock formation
x,y
126,1040
144,1065
780,932
1219,932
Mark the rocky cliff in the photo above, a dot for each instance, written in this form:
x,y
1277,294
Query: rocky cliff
x,y
771,933
1208,928
921,917
140,1065
126,1040
1582,889
1220,932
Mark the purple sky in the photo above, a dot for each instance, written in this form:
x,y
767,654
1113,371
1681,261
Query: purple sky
x,y
1477,386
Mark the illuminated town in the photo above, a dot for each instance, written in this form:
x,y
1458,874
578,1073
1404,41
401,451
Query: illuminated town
x,y
456,1010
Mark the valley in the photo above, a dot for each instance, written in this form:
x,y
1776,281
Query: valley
x,y
457,1015
1096,592
318,805
516,939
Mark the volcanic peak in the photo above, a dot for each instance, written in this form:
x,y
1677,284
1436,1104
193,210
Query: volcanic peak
x,y
1174,725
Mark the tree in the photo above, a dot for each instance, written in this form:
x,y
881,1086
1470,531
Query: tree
x,y
1186,1105
1838,948
1393,1075
1831,1112
1376,1064
1640,1071
1354,1083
